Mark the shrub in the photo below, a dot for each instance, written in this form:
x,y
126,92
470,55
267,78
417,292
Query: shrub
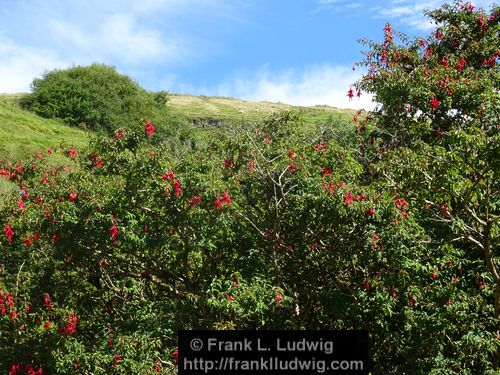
x,y
96,97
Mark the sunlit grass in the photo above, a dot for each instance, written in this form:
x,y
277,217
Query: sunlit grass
x,y
23,133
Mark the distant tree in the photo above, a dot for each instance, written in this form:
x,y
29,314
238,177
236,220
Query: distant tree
x,y
95,96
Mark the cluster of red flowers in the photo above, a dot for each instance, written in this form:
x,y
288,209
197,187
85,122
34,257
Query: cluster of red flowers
x,y
228,163
224,199
194,200
434,103
16,369
320,147
331,187
47,301
113,232
251,165
149,128
175,183
349,198
69,328
119,134
9,233
72,152
7,304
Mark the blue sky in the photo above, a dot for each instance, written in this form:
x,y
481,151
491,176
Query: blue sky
x,y
294,51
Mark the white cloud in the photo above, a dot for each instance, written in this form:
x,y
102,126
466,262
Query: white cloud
x,y
405,12
21,64
411,12
317,85
119,37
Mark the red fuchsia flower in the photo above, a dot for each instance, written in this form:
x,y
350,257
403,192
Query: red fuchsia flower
x,y
291,167
72,153
226,198
177,188
72,196
27,241
229,297
119,134
434,275
394,293
350,93
15,369
428,52
175,354
434,103
250,165
348,198
326,171
411,300
320,146
371,211
157,368
461,64
218,203
383,57
47,324
291,154
47,301
98,163
235,282
9,233
113,232
358,93
438,34
367,285
116,359
422,42
54,238
20,204
266,140
448,302
149,128
228,163
194,200
277,299
467,7
444,61
69,328
170,175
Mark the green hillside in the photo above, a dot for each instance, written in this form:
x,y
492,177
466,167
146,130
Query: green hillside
x,y
22,132
212,110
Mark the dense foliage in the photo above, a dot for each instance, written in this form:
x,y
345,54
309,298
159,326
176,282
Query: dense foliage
x,y
98,98
271,226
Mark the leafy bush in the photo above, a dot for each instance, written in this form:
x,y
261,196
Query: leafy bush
x,y
96,97
266,226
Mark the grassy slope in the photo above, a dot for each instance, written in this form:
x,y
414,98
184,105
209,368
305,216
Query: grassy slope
x,y
214,108
22,134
